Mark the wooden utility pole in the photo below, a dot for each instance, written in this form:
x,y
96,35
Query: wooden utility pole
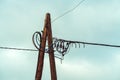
x,y
51,52
47,34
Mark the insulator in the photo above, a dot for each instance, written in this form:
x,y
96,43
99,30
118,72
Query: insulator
x,y
79,45
75,45
72,44
83,45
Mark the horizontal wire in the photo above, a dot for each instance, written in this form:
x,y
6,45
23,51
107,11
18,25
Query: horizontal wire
x,y
100,44
89,43
21,49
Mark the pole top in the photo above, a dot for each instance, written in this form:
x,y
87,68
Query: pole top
x,y
47,13
47,19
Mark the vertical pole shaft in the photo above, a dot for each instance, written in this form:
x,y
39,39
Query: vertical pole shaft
x,y
51,52
41,53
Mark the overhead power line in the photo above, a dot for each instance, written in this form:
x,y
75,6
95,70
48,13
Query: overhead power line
x,y
63,46
21,49
68,11
61,42
89,43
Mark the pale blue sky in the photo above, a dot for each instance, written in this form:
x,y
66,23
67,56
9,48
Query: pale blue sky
x,y
93,21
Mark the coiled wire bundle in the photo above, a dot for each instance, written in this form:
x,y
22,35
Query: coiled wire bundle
x,y
62,46
59,45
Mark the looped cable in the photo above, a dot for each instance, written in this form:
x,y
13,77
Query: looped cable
x,y
36,39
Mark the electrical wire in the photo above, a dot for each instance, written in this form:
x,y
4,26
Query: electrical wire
x,y
36,41
63,46
68,42
21,49
88,43
68,11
